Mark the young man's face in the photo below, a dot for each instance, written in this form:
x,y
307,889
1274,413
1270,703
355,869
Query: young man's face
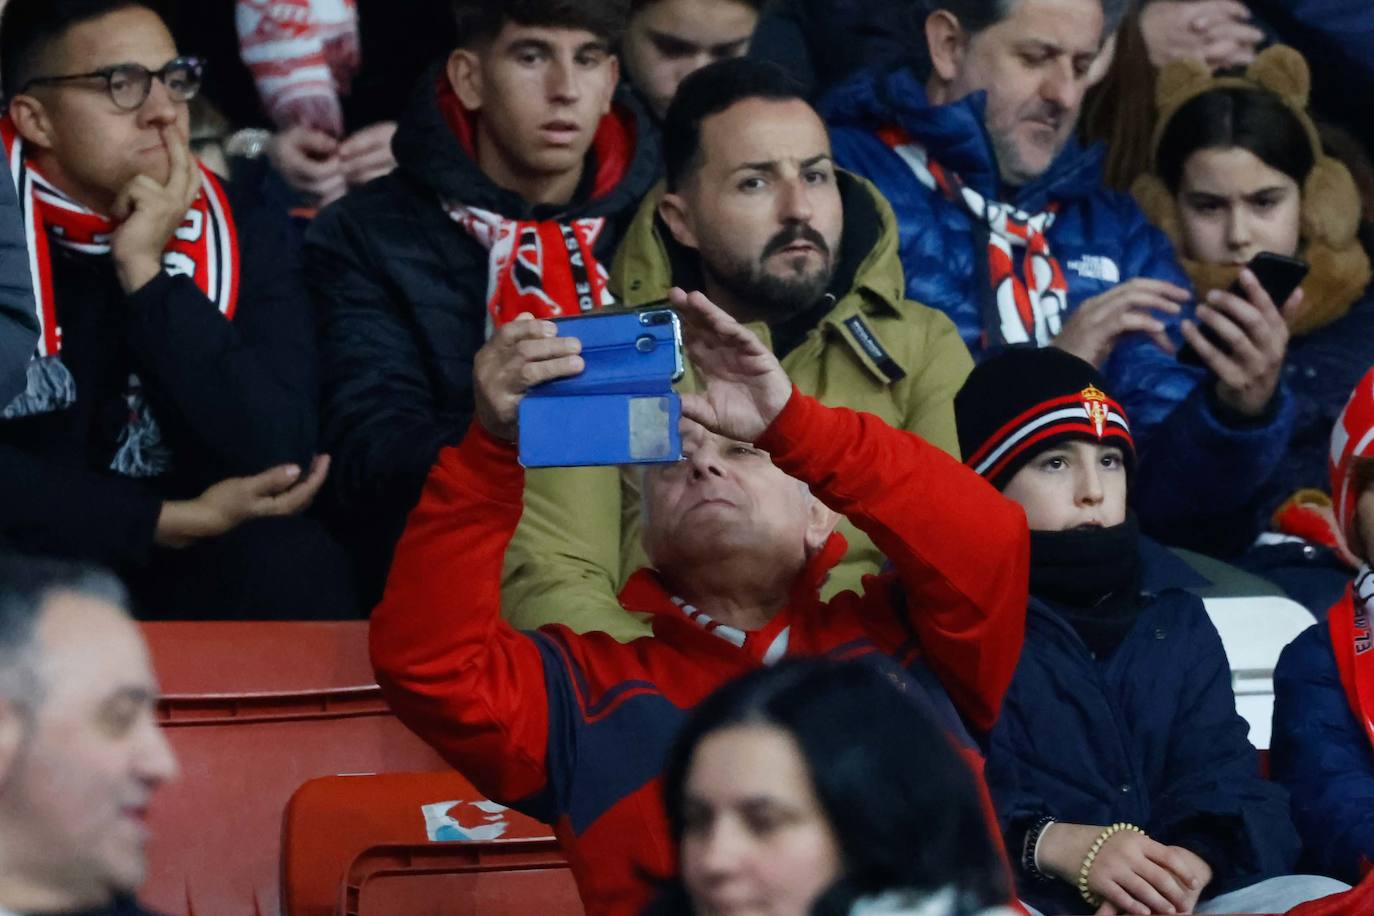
x,y
90,147
540,93
77,792
762,208
1035,66
669,39
1076,484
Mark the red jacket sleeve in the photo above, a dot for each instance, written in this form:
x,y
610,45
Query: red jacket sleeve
x,y
451,668
961,549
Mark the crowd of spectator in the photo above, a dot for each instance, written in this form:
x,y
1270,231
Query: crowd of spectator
x,y
977,381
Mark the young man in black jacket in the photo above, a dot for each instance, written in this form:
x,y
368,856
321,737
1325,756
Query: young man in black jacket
x,y
519,166
168,423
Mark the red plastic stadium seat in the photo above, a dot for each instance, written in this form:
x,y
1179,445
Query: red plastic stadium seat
x,y
516,878
330,820
253,710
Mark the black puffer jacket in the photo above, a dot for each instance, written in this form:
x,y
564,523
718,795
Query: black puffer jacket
x,y
401,291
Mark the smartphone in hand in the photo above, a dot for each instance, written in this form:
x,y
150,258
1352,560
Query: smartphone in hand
x,y
1279,276
621,409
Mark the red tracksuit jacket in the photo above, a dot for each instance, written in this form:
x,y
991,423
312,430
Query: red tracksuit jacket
x,y
574,729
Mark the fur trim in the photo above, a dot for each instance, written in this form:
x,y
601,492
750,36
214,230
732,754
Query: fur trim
x,y
1330,217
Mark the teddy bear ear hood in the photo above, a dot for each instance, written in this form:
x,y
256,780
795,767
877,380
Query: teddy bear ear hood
x,y
1330,217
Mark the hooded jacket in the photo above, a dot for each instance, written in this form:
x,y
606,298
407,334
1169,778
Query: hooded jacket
x,y
574,730
1195,459
402,293
864,346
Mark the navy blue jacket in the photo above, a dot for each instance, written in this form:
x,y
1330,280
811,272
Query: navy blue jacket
x,y
1149,736
1320,752
1191,455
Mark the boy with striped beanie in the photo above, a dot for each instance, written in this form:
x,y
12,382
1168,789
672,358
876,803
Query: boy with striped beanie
x,y
1121,773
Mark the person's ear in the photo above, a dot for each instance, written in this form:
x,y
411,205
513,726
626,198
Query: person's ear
x,y
677,215
948,44
464,71
820,524
32,121
12,727
614,64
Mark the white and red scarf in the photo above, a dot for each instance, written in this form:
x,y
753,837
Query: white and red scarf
x,y
1353,644
546,268
204,248
303,55
1029,304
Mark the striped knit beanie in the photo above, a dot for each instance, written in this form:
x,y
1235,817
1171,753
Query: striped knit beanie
x,y
1025,400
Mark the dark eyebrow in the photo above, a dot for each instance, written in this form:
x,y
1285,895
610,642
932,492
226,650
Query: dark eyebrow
x,y
600,46
727,45
670,40
1272,189
529,44
817,160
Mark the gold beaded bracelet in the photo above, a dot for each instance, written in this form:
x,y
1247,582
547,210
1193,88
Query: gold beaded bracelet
x,y
1093,900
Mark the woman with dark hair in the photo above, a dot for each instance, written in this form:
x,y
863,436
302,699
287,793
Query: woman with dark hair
x,y
1239,169
816,787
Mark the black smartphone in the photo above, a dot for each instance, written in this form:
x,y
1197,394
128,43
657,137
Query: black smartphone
x,y
1279,275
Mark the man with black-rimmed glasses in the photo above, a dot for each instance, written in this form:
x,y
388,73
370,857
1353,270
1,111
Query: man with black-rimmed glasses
x,y
170,402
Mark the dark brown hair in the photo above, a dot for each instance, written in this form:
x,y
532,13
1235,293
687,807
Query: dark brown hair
x,y
479,21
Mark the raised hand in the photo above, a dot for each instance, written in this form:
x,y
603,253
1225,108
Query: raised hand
x,y
745,387
151,212
1093,330
519,356
309,161
1257,335
231,502
367,154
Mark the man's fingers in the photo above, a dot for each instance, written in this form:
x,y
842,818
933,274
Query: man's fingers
x,y
534,373
1151,327
523,328
696,412
541,348
300,496
316,143
274,480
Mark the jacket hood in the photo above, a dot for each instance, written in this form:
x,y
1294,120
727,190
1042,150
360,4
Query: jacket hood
x,y
955,135
651,261
435,146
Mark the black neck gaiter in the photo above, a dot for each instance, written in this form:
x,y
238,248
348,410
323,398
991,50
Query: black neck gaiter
x,y
1091,578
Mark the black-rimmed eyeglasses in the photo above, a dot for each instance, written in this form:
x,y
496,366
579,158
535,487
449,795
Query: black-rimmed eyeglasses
x,y
130,84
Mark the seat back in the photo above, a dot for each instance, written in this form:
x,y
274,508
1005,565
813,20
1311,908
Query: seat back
x,y
331,820
1254,631
253,710
516,878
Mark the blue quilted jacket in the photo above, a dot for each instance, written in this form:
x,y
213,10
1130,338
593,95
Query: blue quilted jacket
x,y
1196,461
1321,753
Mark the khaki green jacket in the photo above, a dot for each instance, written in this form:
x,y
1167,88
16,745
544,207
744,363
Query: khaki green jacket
x,y
876,351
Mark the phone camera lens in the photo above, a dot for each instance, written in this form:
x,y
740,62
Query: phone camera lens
x,y
645,344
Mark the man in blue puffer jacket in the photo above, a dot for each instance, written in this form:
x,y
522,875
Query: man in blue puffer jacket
x,y
1007,227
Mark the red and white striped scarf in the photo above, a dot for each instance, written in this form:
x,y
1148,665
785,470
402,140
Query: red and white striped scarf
x,y
1030,305
303,55
204,248
546,268
1352,642
768,646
